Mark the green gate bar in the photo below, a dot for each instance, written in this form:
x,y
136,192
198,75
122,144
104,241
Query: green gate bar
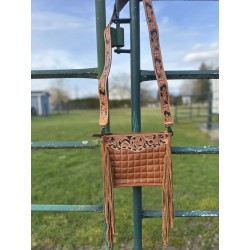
x,y
64,144
64,73
67,208
99,208
135,110
146,75
181,213
100,8
96,144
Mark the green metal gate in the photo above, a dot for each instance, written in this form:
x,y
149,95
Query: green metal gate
x,y
137,76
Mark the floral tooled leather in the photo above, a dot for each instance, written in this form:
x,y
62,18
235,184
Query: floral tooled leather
x,y
102,88
157,62
136,142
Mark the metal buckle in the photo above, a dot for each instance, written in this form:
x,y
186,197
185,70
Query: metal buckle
x,y
170,131
102,132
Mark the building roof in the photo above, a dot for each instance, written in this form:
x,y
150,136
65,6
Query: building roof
x,y
40,93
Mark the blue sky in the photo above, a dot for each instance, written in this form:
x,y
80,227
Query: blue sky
x,y
63,37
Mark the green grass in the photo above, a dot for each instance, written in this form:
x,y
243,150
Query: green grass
x,y
74,177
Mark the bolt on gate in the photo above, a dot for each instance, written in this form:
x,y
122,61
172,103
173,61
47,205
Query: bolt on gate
x,y
137,76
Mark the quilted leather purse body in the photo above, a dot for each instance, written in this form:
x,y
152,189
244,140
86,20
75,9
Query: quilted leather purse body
x,y
139,158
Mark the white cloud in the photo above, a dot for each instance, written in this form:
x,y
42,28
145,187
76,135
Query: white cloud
x,y
214,45
52,21
54,59
208,54
177,44
201,55
198,46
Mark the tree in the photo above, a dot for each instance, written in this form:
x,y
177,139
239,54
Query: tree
x,y
186,88
59,95
120,80
201,87
145,95
198,88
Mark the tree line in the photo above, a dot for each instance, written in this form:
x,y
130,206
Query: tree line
x,y
198,88
60,97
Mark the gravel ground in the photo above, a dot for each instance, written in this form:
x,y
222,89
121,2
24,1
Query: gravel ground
x,y
213,132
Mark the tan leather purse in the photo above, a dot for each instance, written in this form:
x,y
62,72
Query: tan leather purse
x,y
137,159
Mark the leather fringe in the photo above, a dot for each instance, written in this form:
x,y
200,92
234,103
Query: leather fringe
x,y
167,195
108,197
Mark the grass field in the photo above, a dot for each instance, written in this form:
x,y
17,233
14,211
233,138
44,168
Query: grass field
x,y
74,177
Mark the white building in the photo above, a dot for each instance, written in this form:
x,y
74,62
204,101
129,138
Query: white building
x,y
186,100
40,103
118,93
215,99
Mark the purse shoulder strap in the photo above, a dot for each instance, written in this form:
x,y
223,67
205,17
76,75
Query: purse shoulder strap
x,y
157,62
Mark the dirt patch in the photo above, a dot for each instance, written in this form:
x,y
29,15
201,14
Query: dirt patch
x,y
213,132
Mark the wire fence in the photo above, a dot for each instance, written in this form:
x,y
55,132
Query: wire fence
x,y
202,108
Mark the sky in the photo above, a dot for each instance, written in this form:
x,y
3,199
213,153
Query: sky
x,y
63,36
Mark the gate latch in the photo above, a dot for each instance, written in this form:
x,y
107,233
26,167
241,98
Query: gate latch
x,y
117,37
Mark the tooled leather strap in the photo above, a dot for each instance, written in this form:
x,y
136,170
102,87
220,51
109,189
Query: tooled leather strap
x,y
157,62
102,83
